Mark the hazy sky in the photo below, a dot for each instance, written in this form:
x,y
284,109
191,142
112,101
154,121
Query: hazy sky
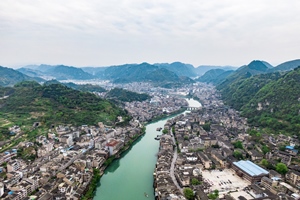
x,y
111,32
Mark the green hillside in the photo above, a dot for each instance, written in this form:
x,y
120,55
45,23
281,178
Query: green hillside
x,y
253,68
286,66
268,100
242,90
214,76
179,68
279,108
29,102
144,73
81,87
126,96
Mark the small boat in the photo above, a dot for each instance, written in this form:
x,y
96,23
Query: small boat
x,y
159,128
157,137
146,195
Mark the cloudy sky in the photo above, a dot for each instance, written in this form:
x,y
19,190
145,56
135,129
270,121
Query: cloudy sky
x,y
111,32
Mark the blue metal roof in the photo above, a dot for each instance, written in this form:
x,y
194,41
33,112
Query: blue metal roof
x,y
289,147
250,168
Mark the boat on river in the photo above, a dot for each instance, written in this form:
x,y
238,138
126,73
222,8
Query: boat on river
x,y
157,137
146,195
159,129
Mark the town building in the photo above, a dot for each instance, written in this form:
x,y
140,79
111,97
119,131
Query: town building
x,y
249,171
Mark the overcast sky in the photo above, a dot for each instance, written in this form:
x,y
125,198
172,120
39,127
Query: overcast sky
x,y
111,32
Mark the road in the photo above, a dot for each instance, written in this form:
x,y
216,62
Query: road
x,y
172,169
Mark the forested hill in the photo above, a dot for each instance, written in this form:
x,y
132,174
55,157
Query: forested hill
x,y
277,104
144,73
28,102
126,96
214,76
179,68
269,100
239,93
81,87
253,68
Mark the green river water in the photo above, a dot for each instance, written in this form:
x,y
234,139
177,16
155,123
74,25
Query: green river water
x,y
131,176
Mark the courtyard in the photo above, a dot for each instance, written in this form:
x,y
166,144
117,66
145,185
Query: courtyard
x,y
226,181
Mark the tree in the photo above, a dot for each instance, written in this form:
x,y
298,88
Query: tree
x,y
281,168
282,148
195,181
265,149
238,155
188,193
264,162
206,126
238,145
214,195
165,131
216,146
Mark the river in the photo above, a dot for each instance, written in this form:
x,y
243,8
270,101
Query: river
x,y
131,176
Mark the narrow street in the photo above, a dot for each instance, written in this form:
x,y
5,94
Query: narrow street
x,y
172,169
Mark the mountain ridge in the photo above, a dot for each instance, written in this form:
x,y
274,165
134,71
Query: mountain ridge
x,y
9,77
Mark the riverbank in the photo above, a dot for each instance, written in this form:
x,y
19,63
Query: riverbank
x,y
162,117
97,173
132,175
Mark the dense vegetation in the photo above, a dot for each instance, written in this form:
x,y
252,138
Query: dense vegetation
x,y
240,91
55,104
126,96
144,73
214,76
242,73
268,100
188,193
279,101
93,185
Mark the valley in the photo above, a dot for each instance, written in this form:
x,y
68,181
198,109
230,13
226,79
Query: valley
x,y
67,135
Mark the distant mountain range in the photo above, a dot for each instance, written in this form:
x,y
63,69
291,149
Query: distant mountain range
x,y
202,69
214,76
59,72
160,74
286,66
9,77
180,69
227,77
143,73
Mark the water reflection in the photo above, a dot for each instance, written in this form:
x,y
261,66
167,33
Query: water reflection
x,y
113,167
116,163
